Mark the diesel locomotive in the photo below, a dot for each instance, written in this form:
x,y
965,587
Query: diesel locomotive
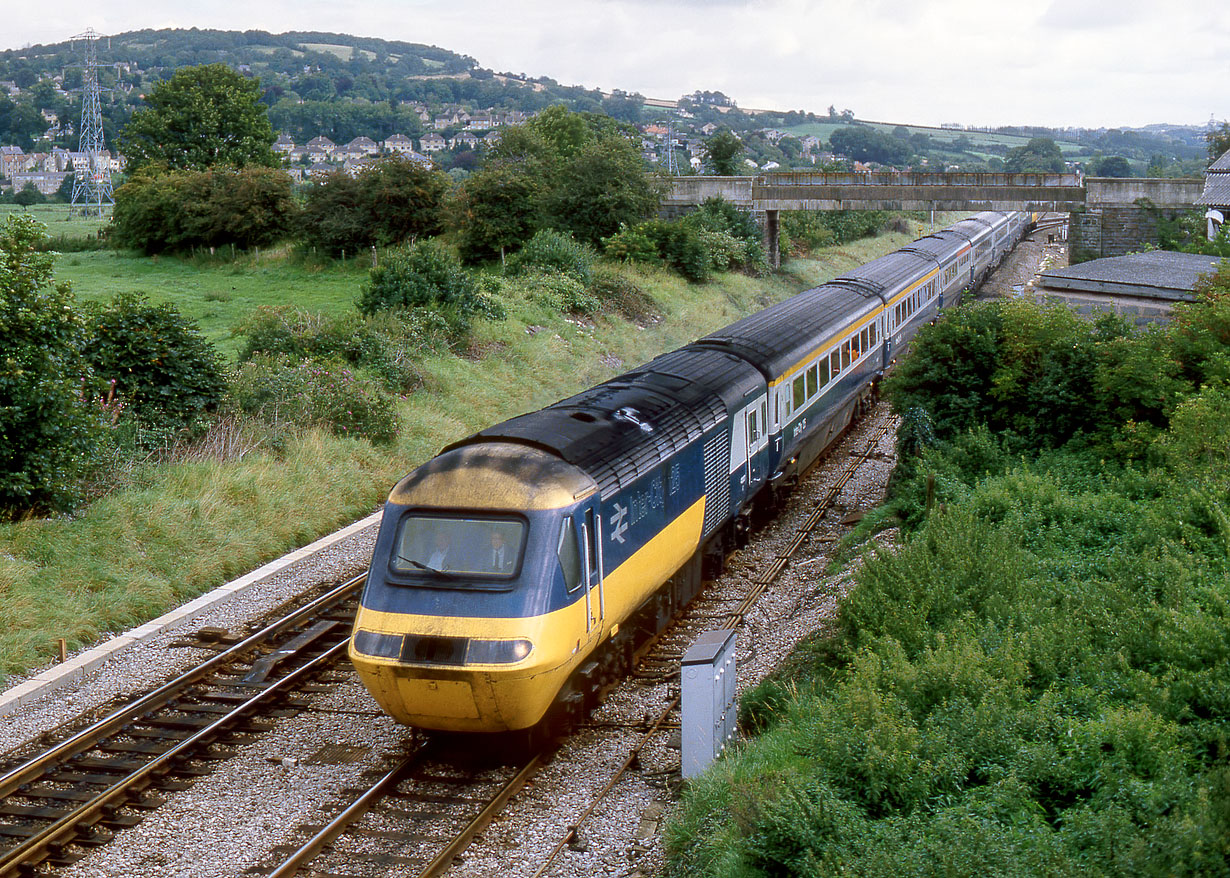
x,y
514,572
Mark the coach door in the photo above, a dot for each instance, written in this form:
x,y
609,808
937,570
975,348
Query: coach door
x,y
757,416
595,600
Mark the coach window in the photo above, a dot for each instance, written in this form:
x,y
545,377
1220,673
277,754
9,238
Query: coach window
x,y
871,334
812,387
835,363
800,393
824,371
569,555
845,355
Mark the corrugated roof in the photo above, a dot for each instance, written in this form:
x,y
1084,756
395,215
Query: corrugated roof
x,y
1223,163
1216,190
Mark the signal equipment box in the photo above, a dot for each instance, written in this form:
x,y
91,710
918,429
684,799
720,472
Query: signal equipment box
x,y
707,700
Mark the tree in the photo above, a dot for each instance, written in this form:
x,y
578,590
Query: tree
x,y
47,430
722,152
201,117
577,172
1110,166
394,200
869,145
1040,155
1219,141
29,195
496,210
601,188
161,365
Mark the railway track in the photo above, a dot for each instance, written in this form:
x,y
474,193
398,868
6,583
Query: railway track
x,y
423,813
88,782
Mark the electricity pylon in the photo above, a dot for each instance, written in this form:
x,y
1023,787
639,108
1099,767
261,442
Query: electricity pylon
x,y
91,184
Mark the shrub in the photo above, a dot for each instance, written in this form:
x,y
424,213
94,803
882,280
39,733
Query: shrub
x,y
804,232
617,292
550,250
674,243
390,202
163,369
562,292
47,430
297,395
159,210
304,334
387,344
632,244
426,276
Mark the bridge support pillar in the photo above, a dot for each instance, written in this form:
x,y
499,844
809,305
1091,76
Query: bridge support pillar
x,y
772,236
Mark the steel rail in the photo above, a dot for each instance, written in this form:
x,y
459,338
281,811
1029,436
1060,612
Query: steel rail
x,y
20,859
310,849
33,769
610,785
497,803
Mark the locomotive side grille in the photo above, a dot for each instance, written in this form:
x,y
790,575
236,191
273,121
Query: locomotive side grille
x,y
717,482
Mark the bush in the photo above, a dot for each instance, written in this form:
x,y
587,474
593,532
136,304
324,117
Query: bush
x,y
428,277
804,232
387,344
159,210
298,395
561,292
47,430
618,293
389,203
676,244
166,373
550,250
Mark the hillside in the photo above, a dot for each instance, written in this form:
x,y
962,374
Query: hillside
x,y
342,86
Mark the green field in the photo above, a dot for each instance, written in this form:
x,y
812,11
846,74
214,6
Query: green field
x,y
55,217
217,293
824,130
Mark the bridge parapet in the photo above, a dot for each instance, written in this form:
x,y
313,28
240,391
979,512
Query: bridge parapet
x,y
1160,191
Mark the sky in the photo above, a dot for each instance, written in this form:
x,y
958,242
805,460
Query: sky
x,y
1082,63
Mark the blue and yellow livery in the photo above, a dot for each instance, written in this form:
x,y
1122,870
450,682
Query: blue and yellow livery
x,y
513,572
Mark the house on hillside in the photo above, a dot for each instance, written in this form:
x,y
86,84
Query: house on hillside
x,y
398,143
464,139
320,148
12,161
1216,194
45,182
363,146
284,145
432,142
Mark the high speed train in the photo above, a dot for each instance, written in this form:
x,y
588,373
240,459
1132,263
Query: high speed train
x,y
514,572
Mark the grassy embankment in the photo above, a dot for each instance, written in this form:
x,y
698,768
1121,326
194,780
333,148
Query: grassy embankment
x,y
1035,682
182,529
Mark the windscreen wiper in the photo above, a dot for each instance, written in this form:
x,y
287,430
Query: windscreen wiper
x,y
428,568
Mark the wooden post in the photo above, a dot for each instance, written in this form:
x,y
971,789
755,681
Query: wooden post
x,y
63,650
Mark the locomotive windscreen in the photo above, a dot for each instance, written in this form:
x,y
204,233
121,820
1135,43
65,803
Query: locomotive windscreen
x,y
429,545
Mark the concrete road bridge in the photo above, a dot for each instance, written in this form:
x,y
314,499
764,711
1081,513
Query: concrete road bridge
x,y
1110,216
